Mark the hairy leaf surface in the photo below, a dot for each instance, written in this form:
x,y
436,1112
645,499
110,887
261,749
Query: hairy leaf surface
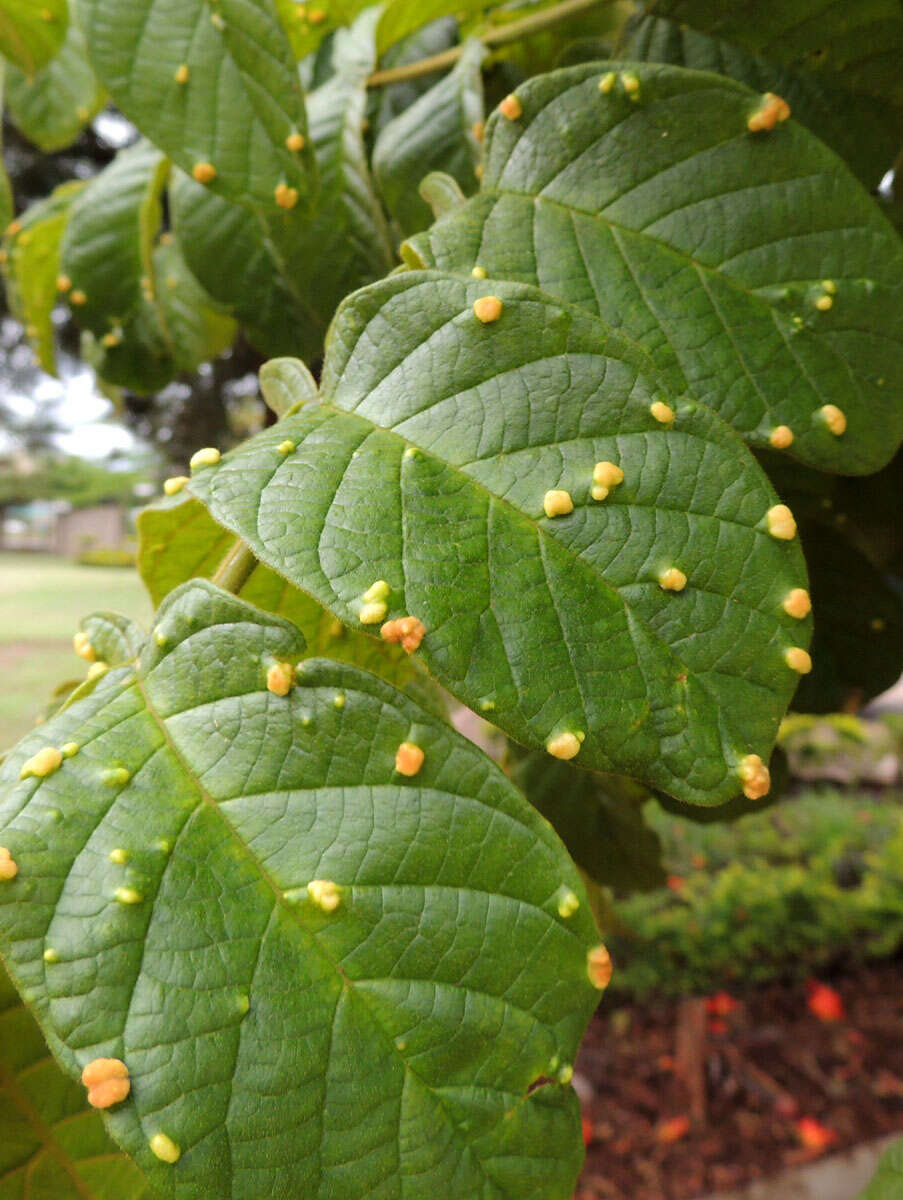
x,y
707,244
31,33
386,1045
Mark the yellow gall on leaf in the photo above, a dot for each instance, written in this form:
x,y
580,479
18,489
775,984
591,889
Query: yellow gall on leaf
x,y
183,73
781,437
97,669
607,82
338,701
204,172
378,591
174,484
295,142
42,764
564,746
672,580
111,339
50,955
209,456
568,903
771,111
325,894
63,284
599,967
280,678
829,286
478,129
511,108
116,777
607,474
119,857
70,749
631,84
479,272
83,648
797,603
127,895
78,298
408,632
781,523
408,759
107,1081
599,493
755,777
286,447
478,170
663,413
824,303
164,1148
798,659
373,612
13,228
565,1074
834,418
9,868
316,16
557,503
488,309
286,197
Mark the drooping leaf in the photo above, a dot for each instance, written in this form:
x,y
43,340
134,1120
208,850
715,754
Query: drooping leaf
x,y
438,132
30,32
116,640
51,1143
233,107
54,106
427,466
707,244
389,101
387,1039
888,1181
32,266
865,131
599,819
195,328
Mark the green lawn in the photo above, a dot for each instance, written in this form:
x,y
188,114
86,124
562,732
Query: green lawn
x,y
41,601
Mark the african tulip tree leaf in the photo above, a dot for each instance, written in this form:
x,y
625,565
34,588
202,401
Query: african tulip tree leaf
x,y
864,130
437,133
427,467
887,1183
755,270
380,1030
51,1143
232,108
30,32
53,107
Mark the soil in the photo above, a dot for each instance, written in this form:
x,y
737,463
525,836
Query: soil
x,y
680,1101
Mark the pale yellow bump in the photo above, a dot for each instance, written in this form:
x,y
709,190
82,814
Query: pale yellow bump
x,y
128,895
755,777
78,298
823,303
243,1003
9,868
408,759
599,967
325,894
829,286
488,309
316,16
372,612
410,452
568,903
599,493
781,523
607,82
878,624
111,339
478,130
116,777
164,1148
479,272
286,197
798,659
81,644
42,764
672,580
631,84
280,678
487,706
204,172
377,591
70,749
174,484
208,456
295,142
511,108
338,701
797,603
63,284
119,856
286,447
478,170
82,112
663,413
557,503
159,636
96,670
183,73
781,437
217,21
607,474
564,746
834,418
51,956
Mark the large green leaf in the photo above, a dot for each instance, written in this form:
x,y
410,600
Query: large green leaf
x,y
707,244
436,133
194,327
54,106
865,131
233,107
32,265
51,1143
427,467
385,103
386,1043
888,1181
7,203
31,32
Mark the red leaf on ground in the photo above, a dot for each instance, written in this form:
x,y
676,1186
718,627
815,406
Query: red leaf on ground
x,y
722,1004
824,1002
672,1130
814,1135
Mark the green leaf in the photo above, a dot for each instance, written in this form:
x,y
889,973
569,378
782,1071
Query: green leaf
x,y
195,327
387,102
54,106
435,134
7,203
32,268
865,131
286,382
390,1043
401,17
30,32
599,819
888,1181
241,100
704,242
51,1143
427,465
115,639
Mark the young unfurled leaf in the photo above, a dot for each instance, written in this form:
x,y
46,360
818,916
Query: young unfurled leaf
x,y
31,33
321,976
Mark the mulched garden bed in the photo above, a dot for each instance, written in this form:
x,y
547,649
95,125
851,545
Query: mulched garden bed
x,y
681,1100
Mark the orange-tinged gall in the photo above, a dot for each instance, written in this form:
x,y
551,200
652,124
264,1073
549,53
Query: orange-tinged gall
x,y
797,603
372,612
557,503
772,110
781,523
183,73
599,967
478,170
408,632
488,309
286,197
325,894
111,339
13,228
83,648
511,108
663,413
478,129
63,284
209,456
174,484
164,1148
408,759
564,746
755,777
42,764
781,437
78,298
798,659
107,1081
9,868
204,172
280,678
834,418
607,82
316,16
607,474
672,580
824,303
295,142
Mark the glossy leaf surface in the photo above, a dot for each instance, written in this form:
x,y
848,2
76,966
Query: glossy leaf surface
x,y
31,33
